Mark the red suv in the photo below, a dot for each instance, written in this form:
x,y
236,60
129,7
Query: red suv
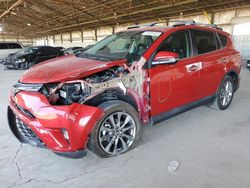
x,y
100,98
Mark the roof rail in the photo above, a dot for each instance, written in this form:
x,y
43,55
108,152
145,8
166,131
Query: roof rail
x,y
192,22
177,24
182,22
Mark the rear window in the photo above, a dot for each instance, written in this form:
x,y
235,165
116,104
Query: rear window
x,y
223,40
14,46
205,41
3,46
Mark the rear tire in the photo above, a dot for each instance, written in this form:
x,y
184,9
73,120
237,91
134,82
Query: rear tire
x,y
117,132
224,95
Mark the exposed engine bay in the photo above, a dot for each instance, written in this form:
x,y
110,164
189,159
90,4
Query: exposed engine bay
x,y
79,91
129,84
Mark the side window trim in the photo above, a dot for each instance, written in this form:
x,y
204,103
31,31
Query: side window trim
x,y
218,39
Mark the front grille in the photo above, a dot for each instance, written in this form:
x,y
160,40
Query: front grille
x,y
29,135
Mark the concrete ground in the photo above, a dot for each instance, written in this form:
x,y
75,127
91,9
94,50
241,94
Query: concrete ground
x,y
211,146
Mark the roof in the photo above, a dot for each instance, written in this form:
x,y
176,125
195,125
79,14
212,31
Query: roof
x,y
167,28
36,18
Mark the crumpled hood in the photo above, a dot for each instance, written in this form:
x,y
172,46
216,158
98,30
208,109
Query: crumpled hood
x,y
65,68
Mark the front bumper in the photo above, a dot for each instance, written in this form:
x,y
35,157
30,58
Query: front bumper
x,y
47,121
10,65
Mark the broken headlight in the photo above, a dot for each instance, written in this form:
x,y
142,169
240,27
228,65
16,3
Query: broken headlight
x,y
20,60
73,93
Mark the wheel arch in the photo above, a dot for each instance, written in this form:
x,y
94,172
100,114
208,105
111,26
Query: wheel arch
x,y
233,74
111,95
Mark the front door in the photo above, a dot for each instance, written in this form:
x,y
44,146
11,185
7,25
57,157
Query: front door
x,y
174,85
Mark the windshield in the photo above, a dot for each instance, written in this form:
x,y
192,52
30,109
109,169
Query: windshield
x,y
128,45
28,50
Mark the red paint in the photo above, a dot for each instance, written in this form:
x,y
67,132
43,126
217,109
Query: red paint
x,y
78,119
64,69
165,87
165,55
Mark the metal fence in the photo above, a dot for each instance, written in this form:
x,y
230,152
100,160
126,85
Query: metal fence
x,y
242,43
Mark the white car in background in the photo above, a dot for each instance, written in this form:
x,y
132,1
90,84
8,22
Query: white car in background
x,y
7,48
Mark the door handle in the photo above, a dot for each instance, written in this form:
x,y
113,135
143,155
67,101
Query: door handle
x,y
194,67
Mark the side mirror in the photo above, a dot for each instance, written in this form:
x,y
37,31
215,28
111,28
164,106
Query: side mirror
x,y
165,58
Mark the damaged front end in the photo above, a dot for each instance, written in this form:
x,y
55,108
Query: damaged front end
x,y
124,83
61,116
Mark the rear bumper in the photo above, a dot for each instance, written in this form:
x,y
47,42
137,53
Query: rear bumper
x,y
47,122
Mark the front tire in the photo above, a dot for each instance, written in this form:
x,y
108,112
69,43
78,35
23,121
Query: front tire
x,y
117,132
224,95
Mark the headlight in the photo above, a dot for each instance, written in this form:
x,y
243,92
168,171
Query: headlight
x,y
70,89
70,93
21,60
73,92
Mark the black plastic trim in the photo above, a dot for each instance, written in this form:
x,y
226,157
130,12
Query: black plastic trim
x,y
178,110
74,155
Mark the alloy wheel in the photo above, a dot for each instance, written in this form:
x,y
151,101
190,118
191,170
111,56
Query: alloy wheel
x,y
226,93
117,133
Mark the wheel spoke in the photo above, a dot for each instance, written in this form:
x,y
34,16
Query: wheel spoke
x,y
226,86
111,119
119,114
128,119
106,129
107,148
124,145
115,147
127,128
224,101
129,137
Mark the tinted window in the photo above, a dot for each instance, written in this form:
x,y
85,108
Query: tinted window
x,y
14,46
51,50
178,43
223,40
47,50
3,46
205,41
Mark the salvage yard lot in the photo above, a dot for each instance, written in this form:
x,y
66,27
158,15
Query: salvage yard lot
x,y
211,146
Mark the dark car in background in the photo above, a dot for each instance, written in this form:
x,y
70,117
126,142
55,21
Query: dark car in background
x,y
62,49
27,57
78,51
72,50
248,64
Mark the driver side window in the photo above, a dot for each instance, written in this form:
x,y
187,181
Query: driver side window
x,y
178,43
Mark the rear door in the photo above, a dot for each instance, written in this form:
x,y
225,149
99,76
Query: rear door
x,y
208,52
175,85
